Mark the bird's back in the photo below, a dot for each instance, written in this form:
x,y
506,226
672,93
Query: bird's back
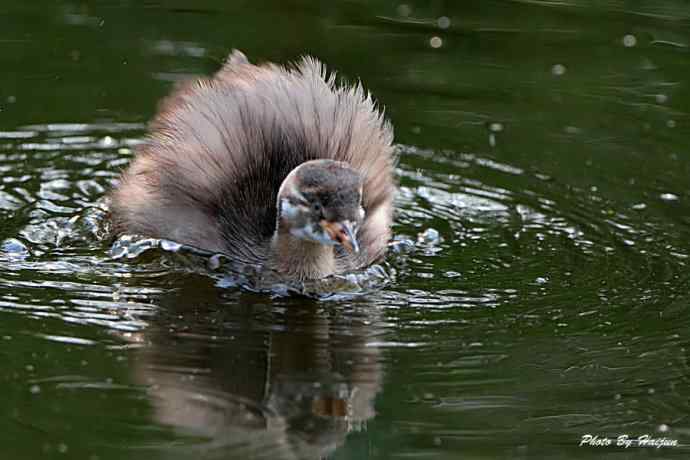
x,y
219,148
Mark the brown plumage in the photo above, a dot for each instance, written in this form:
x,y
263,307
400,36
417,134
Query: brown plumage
x,y
227,168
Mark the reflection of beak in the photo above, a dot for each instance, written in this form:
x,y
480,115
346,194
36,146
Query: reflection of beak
x,y
342,233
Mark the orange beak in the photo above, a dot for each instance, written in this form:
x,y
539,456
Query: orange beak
x,y
342,233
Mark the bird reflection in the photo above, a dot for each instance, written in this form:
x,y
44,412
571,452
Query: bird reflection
x,y
264,379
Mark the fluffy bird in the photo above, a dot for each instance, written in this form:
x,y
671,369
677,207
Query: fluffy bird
x,y
280,167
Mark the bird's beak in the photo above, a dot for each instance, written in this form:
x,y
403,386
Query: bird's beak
x,y
341,233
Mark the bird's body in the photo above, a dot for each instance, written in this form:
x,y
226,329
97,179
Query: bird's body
x,y
212,172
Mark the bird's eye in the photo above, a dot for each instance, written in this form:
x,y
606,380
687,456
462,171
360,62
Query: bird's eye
x,y
316,206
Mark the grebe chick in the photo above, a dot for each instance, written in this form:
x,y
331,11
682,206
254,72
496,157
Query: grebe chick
x,y
274,166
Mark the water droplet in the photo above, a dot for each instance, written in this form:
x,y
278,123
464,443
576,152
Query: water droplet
x,y
12,248
661,98
629,41
404,10
639,206
668,197
34,389
107,142
558,70
541,280
62,448
402,246
171,246
436,42
11,99
430,235
496,127
443,22
671,123
663,428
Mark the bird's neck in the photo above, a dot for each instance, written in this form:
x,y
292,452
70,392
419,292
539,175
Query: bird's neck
x,y
301,259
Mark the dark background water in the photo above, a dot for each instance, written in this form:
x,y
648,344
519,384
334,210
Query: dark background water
x,y
544,185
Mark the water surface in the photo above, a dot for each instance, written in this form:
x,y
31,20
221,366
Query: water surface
x,y
537,291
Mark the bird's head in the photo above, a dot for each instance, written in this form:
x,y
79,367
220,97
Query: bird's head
x,y
321,201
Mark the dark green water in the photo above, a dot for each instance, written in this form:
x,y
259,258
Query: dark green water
x,y
545,165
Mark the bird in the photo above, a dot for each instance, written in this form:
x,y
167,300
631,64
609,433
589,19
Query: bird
x,y
285,167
